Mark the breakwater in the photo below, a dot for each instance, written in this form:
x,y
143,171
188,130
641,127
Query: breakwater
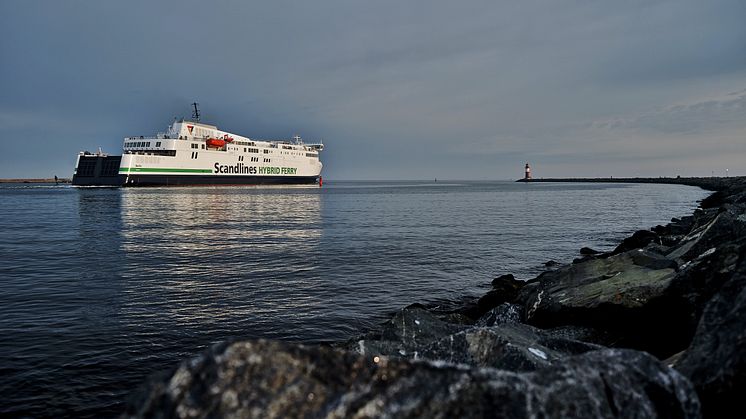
x,y
655,327
710,183
36,180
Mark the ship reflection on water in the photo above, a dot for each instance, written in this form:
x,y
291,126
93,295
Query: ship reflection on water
x,y
167,272
211,261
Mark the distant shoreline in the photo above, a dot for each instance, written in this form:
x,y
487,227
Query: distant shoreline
x,y
39,180
707,183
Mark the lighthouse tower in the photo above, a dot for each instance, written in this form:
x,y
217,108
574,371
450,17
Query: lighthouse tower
x,y
528,173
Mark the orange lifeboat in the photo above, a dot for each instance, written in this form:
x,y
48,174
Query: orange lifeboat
x,y
215,142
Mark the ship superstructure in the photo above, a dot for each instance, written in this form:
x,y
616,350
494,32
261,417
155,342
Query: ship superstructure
x,y
194,153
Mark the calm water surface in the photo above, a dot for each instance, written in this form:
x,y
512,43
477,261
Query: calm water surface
x,y
102,287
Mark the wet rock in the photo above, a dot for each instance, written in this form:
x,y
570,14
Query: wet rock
x,y
551,263
509,346
659,249
504,280
724,227
626,280
671,240
585,334
638,240
587,251
414,325
504,347
461,310
716,360
504,289
456,318
624,294
273,379
504,313
697,282
715,200
583,259
677,228
410,329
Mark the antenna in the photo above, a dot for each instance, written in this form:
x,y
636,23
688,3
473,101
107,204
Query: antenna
x,y
195,112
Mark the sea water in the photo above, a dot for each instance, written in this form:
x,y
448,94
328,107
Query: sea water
x,y
101,288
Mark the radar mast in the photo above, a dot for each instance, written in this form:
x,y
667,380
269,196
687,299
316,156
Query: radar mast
x,y
195,112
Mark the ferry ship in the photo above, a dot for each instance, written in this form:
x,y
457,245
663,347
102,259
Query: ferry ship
x,y
194,153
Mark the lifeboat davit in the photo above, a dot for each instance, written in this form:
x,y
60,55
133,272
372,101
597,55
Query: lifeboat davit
x,y
227,138
215,142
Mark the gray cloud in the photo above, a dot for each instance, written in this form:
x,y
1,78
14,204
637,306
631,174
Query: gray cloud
x,y
397,89
698,118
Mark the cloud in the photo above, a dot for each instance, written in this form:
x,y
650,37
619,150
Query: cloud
x,y
466,89
697,117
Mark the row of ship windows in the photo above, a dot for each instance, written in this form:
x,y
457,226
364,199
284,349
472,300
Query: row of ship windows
x,y
197,146
141,144
253,159
169,153
256,150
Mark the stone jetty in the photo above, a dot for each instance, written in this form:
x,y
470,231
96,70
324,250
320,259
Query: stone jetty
x,y
654,328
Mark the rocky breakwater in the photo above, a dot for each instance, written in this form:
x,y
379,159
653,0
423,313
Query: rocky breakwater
x,y
655,328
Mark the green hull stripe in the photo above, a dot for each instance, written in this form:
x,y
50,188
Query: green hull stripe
x,y
169,170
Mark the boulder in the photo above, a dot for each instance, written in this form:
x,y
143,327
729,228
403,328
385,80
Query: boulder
x,y
551,263
716,360
638,240
505,281
410,329
509,346
585,334
624,294
275,379
625,280
724,227
505,288
456,318
587,251
504,313
699,280
415,326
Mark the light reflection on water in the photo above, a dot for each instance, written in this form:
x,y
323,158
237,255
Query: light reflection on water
x,y
216,249
102,287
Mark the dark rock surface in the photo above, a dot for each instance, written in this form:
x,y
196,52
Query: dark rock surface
x,y
505,289
639,239
504,313
273,380
716,359
586,251
409,330
510,346
617,284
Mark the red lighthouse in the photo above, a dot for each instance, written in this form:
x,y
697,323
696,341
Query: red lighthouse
x,y
528,173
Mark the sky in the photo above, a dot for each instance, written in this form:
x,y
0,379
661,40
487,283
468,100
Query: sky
x,y
395,89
